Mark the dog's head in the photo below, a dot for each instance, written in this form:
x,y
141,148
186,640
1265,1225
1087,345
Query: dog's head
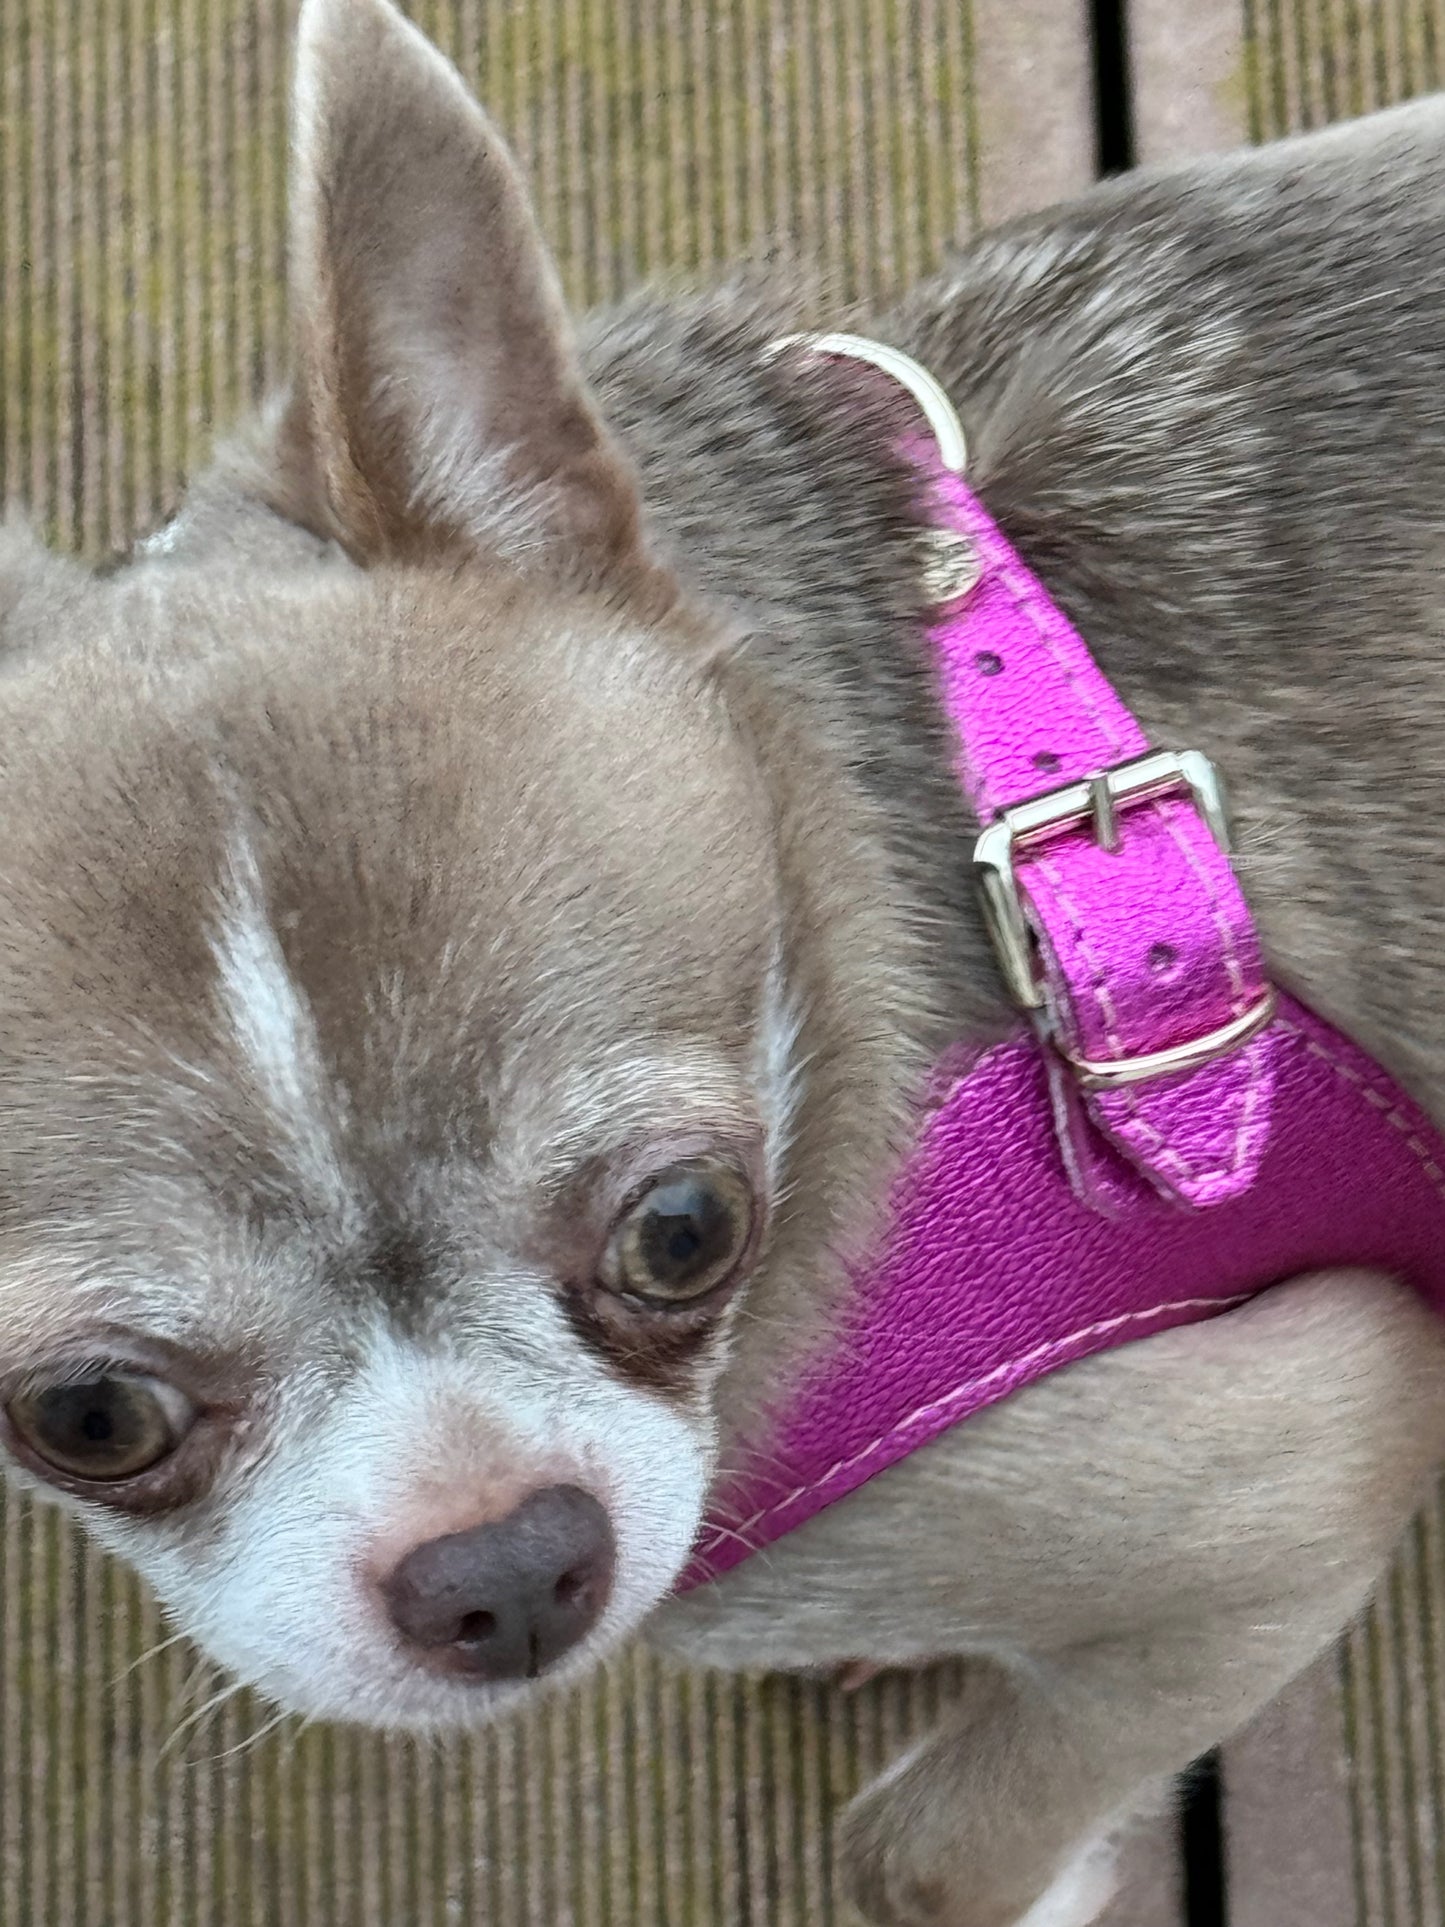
x,y
429,980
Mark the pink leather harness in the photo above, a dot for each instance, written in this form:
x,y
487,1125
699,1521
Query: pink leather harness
x,y
1164,1138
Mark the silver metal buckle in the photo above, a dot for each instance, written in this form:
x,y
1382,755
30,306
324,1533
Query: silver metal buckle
x,y
951,575
1097,799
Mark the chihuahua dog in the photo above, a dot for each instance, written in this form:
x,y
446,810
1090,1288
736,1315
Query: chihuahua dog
x,y
508,814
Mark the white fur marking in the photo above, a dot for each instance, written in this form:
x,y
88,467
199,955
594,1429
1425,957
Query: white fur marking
x,y
285,1597
778,1071
164,541
271,1020
1080,1894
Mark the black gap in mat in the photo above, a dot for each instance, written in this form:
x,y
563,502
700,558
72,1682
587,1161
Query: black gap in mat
x,y
1201,1844
1113,88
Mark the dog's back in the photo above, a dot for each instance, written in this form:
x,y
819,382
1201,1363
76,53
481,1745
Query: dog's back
x,y
1209,407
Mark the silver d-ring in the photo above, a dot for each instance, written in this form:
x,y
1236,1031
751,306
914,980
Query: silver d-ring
x,y
937,409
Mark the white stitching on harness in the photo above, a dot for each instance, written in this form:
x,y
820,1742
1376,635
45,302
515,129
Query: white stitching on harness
x,y
1166,1154
1391,1112
960,1394
1023,596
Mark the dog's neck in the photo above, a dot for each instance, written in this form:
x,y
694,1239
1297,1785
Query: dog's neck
x,y
778,490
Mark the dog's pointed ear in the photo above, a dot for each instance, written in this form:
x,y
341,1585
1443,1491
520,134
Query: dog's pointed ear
x,y
439,401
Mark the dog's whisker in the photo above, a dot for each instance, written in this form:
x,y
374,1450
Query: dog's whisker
x,y
201,1669
244,1745
753,1463
716,1529
150,1653
207,1709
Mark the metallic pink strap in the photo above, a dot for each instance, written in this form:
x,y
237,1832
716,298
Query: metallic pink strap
x,y
995,1268
1144,947
994,1272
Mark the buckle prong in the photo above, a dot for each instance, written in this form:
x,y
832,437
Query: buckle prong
x,y
1101,808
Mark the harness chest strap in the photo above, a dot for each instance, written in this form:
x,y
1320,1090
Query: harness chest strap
x,y
1164,1139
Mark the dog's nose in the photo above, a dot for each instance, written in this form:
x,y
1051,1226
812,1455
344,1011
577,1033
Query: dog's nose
x,y
503,1601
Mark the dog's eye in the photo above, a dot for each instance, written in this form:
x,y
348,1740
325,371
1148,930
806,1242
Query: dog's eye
x,y
113,1426
683,1237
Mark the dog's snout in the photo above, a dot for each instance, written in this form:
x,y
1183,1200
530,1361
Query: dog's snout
x,y
502,1601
